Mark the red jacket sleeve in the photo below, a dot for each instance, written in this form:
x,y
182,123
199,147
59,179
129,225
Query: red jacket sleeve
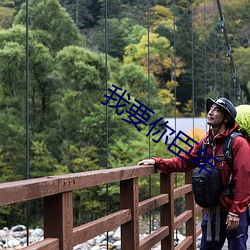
x,y
241,175
177,164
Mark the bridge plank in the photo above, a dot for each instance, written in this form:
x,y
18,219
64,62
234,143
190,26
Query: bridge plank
x,y
187,242
185,189
152,203
182,218
90,230
154,238
24,190
46,244
99,177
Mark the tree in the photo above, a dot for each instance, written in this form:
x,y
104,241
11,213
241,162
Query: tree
x,y
40,60
161,16
84,13
118,31
136,82
53,25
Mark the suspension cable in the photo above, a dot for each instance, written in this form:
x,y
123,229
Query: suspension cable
x,y
27,207
229,53
222,68
192,24
149,148
174,75
205,50
107,120
215,53
175,92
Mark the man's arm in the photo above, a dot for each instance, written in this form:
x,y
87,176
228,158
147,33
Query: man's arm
x,y
174,164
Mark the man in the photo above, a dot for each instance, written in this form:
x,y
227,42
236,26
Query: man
x,y
221,115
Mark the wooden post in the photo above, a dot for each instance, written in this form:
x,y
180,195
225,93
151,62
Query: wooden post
x,y
129,197
190,205
167,210
58,219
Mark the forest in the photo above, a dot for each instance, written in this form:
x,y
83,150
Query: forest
x,y
168,55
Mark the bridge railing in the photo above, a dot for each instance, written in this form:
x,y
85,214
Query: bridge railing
x,y
56,192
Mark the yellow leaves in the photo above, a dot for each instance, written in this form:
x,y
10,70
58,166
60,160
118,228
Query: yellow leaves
x,y
170,102
159,53
161,16
160,12
179,66
197,133
166,96
203,114
6,17
188,109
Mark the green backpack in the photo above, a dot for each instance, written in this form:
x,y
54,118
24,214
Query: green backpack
x,y
243,120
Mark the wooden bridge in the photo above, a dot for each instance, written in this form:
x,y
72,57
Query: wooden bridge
x,y
56,192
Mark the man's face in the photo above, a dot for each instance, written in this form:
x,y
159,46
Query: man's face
x,y
215,116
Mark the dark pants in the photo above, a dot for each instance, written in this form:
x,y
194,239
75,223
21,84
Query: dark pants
x,y
237,238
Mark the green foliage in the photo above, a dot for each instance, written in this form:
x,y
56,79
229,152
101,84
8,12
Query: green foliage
x,y
84,13
118,32
53,25
42,162
13,148
136,81
242,63
67,83
12,59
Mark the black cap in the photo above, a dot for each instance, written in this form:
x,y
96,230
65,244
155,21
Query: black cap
x,y
223,103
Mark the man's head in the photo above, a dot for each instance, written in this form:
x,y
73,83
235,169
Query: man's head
x,y
220,111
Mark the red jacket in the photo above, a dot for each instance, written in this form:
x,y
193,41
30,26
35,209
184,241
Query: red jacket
x,y
241,168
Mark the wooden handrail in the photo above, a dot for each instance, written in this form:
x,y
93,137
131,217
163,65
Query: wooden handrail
x,y
56,191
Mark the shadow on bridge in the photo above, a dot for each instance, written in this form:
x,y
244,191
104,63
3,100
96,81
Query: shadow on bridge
x,y
59,232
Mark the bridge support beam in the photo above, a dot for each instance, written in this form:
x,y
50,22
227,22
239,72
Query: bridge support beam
x,y
167,210
58,219
190,205
129,198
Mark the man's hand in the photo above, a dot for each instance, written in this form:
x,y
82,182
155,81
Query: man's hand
x,y
232,222
146,162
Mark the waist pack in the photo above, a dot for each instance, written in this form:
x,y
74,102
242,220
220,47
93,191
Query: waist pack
x,y
206,186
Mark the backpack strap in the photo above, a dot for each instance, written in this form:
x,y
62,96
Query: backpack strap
x,y
203,155
209,211
227,148
227,151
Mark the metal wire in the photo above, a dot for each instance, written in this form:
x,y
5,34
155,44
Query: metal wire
x,y
27,206
229,54
149,137
107,120
215,53
205,50
192,21
175,94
